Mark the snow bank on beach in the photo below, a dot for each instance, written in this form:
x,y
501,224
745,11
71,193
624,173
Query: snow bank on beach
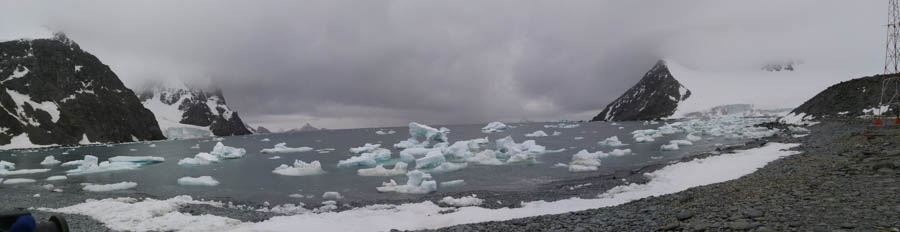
x,y
163,215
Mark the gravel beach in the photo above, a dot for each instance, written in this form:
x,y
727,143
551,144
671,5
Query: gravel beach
x,y
846,179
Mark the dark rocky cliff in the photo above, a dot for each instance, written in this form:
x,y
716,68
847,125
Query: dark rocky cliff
x,y
849,98
55,93
655,96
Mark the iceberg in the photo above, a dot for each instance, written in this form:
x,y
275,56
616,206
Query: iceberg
x,y
418,182
472,200
5,166
300,168
50,161
431,160
692,137
282,148
525,151
539,133
618,152
18,181
137,159
464,149
612,142
486,157
226,152
91,165
198,181
586,161
385,132
109,187
368,159
379,170
669,147
201,158
72,163
423,136
493,127
332,196
448,167
453,184
368,147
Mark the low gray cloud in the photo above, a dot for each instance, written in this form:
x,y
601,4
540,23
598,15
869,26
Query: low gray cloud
x,y
374,63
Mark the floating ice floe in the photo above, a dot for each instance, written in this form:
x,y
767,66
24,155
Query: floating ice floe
x,y
219,152
472,200
431,160
693,138
418,182
584,161
275,157
325,150
265,140
152,145
282,148
138,159
453,183
618,152
493,127
612,142
6,166
50,161
56,178
448,167
368,147
379,170
18,181
201,158
539,133
196,146
366,159
109,187
486,157
300,168
332,196
198,181
526,151
385,132
72,163
423,136
669,147
556,133
646,135
91,165
578,138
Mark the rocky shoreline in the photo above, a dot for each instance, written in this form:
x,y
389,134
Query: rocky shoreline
x,y
846,179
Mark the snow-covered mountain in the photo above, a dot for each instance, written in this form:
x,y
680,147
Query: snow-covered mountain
x,y
184,112
770,90
54,93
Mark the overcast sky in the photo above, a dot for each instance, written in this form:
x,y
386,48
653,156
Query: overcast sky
x,y
362,63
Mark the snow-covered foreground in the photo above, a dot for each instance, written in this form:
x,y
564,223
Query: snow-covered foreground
x,y
163,215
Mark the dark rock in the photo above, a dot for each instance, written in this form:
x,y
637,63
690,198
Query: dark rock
x,y
655,96
684,215
753,213
91,100
741,225
851,97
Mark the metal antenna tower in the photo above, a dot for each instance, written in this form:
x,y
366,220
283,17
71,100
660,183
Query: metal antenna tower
x,y
890,85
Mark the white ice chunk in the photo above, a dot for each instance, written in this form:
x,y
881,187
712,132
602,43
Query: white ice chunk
x,y
493,127
379,170
618,152
198,181
539,133
669,147
369,159
431,160
56,178
137,159
282,148
692,137
448,167
486,157
418,183
612,142
90,165
332,196
300,168
201,158
18,181
423,136
50,161
368,147
109,187
453,183
472,200
586,161
226,152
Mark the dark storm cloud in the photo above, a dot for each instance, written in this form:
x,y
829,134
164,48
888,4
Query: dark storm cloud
x,y
361,63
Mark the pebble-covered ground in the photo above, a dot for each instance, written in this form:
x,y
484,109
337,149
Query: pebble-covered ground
x,y
846,179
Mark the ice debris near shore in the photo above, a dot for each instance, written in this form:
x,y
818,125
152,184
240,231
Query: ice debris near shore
x,y
423,136
50,161
300,168
369,156
198,181
90,164
18,181
539,133
418,182
379,170
219,152
385,132
472,200
56,178
493,127
109,187
453,183
612,142
283,148
332,196
584,161
6,166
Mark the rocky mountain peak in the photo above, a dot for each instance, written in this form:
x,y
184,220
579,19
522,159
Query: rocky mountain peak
x,y
655,96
